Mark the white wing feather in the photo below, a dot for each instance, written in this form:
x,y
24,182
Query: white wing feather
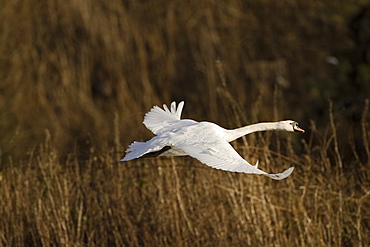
x,y
203,141
157,118
218,153
138,149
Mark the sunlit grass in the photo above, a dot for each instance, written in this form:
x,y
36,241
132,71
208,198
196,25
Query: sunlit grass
x,y
165,201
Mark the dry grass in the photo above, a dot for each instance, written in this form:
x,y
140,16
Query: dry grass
x,y
77,77
180,202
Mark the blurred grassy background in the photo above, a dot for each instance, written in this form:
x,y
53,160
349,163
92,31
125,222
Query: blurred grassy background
x,y
77,77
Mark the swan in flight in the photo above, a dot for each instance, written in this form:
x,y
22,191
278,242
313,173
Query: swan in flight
x,y
204,141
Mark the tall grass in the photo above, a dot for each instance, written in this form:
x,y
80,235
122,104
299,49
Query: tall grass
x,y
180,202
76,78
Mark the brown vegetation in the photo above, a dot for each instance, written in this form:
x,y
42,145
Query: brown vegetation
x,y
76,78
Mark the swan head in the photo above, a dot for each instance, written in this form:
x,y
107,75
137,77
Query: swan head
x,y
291,126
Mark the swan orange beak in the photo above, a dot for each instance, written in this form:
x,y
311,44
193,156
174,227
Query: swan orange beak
x,y
297,129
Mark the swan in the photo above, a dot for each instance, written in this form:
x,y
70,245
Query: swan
x,y
204,141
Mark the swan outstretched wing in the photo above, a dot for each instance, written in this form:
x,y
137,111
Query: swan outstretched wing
x,y
218,153
157,118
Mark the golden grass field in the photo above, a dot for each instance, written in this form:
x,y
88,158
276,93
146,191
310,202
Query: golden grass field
x,y
77,77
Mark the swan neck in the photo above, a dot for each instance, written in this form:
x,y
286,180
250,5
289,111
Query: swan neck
x,y
239,132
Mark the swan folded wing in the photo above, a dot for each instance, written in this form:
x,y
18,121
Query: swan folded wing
x,y
217,153
158,118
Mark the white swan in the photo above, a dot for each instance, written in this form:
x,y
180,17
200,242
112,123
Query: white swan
x,y
207,142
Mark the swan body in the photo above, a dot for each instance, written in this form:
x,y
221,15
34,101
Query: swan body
x,y
204,141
